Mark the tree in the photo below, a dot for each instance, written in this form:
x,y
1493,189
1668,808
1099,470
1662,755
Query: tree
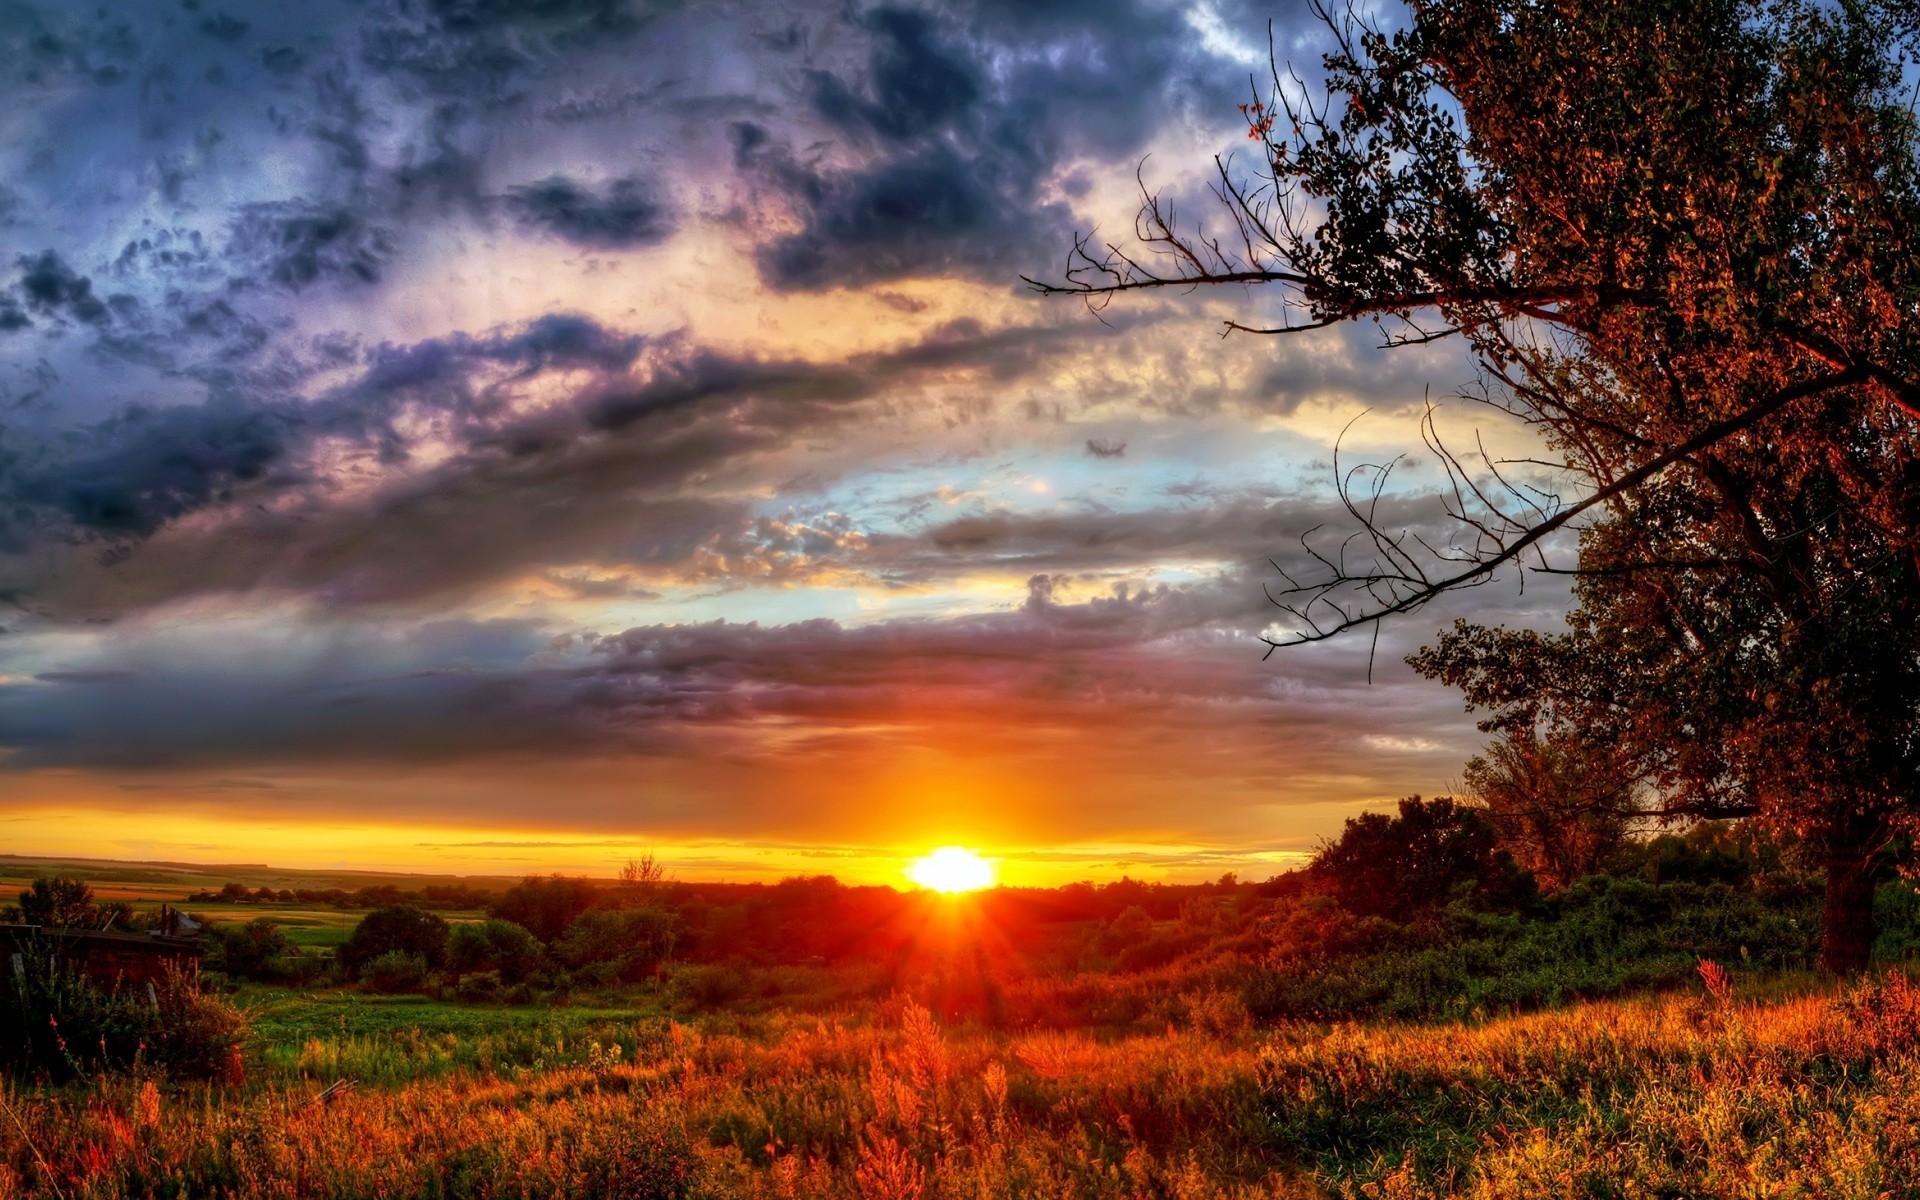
x,y
627,943
59,902
1407,866
545,906
1785,686
249,951
1676,239
402,930
494,945
644,874
1560,809
1653,242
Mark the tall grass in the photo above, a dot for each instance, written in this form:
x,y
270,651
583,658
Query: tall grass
x,y
1814,1094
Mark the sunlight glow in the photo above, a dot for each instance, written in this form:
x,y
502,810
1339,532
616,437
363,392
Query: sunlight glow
x,y
951,869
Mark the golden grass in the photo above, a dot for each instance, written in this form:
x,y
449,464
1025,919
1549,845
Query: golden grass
x,y
1811,1095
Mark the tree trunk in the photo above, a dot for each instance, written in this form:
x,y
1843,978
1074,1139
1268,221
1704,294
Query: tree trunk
x,y
1847,922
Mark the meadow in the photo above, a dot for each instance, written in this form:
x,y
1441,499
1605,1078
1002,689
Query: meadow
x,y
1804,1091
1652,1031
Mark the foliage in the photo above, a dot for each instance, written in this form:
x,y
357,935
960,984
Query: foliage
x,y
506,949
1400,867
58,1024
545,907
253,950
394,971
1602,936
405,930
1562,809
622,944
59,901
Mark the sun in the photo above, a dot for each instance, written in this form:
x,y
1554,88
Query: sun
x,y
951,869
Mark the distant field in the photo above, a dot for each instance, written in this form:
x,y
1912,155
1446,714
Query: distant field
x,y
171,881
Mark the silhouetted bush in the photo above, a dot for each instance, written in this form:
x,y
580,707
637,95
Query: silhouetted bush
x,y
546,906
1410,865
618,944
405,930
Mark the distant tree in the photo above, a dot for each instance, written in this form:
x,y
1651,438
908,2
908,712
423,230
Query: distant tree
x,y
628,942
235,893
403,930
545,906
494,945
643,875
1410,864
249,951
59,901
1561,809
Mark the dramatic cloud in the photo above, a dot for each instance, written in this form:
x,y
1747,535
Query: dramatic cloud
x,y
611,417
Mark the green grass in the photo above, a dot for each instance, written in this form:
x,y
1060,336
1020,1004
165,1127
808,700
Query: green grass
x,y
336,1034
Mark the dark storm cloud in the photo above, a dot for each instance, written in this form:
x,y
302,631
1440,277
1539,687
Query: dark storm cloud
x,y
129,476
961,118
297,244
624,214
459,689
597,476
162,465
48,285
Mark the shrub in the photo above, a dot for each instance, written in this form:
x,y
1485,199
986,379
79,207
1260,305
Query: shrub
x,y
508,950
252,951
58,901
404,929
57,1024
545,906
1407,866
394,971
710,986
618,944
478,987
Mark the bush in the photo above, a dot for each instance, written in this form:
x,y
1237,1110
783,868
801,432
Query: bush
x,y
617,944
403,930
478,987
253,950
395,971
710,986
1408,866
1601,936
545,906
508,950
57,1024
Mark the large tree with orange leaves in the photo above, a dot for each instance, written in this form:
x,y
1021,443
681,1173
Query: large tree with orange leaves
x,y
1677,238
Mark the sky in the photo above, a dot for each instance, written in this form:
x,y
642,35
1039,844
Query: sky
x,y
493,437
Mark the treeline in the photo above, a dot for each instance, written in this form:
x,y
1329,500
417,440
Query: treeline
x,y
556,933
442,896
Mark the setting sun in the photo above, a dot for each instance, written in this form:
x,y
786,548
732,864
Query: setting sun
x,y
951,869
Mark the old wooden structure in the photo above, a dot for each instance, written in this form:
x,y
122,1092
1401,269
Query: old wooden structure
x,y
109,958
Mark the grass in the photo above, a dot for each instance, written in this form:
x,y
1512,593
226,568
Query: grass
x,y
1789,1089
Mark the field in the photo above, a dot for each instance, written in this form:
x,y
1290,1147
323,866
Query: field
x,y
113,879
1802,1092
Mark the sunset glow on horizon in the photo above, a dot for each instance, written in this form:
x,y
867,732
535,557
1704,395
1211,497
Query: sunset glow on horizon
x,y
952,870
